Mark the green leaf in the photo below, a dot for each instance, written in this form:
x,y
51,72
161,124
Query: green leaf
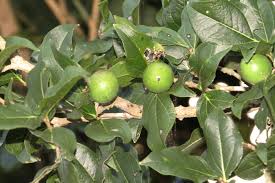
x,y
21,147
129,6
261,19
18,116
123,75
262,116
54,94
164,36
226,27
251,167
254,93
179,90
107,130
211,101
62,137
186,30
12,44
205,61
88,160
224,144
73,172
126,165
83,49
136,128
5,78
175,163
171,14
61,38
53,179
158,118
43,172
261,151
134,44
271,158
195,141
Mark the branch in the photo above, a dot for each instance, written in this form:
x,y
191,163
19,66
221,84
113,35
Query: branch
x,y
93,20
231,72
19,63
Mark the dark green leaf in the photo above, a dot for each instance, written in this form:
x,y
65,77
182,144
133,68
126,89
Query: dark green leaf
x,y
262,116
18,116
176,163
271,158
134,44
205,61
42,173
224,144
129,6
123,75
220,22
251,167
179,90
254,93
158,118
107,130
211,101
136,127
261,151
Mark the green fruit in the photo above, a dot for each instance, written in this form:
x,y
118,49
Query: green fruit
x,y
256,70
158,77
103,86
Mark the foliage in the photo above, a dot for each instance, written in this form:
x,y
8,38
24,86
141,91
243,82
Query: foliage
x,y
197,36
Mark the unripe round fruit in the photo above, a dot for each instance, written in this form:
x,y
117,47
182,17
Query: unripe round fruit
x,y
158,77
256,70
103,86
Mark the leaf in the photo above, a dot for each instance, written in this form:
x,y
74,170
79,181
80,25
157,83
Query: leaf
x,y
271,158
73,172
171,14
136,128
158,118
186,30
134,44
262,116
62,137
254,93
88,160
164,36
179,90
194,142
123,75
260,17
43,172
205,62
107,130
53,179
226,27
84,49
261,151
5,78
175,163
251,167
12,44
18,116
21,147
127,166
224,144
129,6
61,38
211,101
57,92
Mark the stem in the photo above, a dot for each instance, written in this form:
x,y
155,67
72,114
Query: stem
x,y
47,122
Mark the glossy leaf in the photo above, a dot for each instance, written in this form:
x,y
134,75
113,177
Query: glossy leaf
x,y
18,116
173,162
205,62
251,167
158,118
220,22
254,93
107,130
211,101
134,44
221,133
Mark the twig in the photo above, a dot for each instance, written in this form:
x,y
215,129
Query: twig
x,y
2,43
19,63
93,20
60,11
231,72
2,101
47,122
